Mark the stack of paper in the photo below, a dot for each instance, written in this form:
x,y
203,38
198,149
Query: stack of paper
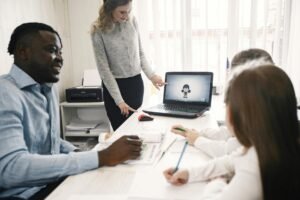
x,y
150,148
149,154
86,126
151,137
148,136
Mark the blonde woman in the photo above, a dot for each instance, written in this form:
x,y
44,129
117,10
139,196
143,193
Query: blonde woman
x,y
120,59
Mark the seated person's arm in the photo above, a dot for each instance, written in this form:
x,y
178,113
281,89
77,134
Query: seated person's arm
x,y
67,147
21,167
220,167
217,148
125,148
191,135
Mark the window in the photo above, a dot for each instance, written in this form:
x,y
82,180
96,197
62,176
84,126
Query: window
x,y
199,35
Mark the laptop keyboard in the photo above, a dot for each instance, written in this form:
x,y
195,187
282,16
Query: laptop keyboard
x,y
174,107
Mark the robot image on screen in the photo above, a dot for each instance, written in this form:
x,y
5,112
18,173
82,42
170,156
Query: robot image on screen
x,y
185,90
188,88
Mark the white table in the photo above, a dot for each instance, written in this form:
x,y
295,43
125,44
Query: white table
x,y
134,182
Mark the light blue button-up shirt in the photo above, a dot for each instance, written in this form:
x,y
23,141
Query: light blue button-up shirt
x,y
32,154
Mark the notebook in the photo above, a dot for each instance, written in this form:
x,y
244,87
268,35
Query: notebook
x,y
186,95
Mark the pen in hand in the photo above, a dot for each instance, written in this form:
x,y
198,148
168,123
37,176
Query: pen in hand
x,y
180,129
135,139
180,158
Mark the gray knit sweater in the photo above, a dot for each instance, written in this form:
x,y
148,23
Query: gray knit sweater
x,y
119,54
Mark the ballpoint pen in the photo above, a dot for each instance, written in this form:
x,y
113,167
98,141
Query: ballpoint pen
x,y
180,129
180,158
134,139
166,149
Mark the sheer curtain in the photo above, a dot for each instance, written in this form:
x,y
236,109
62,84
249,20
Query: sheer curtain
x,y
202,34
291,61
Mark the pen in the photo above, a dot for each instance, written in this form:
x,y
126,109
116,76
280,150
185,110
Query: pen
x,y
134,139
180,158
164,152
180,129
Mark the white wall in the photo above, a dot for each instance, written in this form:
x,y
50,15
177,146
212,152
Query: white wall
x,y
81,15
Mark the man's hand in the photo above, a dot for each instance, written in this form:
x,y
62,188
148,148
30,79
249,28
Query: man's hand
x,y
125,148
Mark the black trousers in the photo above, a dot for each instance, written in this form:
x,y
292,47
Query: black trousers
x,y
132,91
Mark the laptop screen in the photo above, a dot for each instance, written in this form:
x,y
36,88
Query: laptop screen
x,y
193,88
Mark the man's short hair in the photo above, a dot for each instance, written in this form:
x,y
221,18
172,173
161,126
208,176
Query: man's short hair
x,y
21,33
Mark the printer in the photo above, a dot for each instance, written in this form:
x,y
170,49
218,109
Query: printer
x,y
84,94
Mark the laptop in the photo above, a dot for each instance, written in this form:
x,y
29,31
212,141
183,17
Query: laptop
x,y
186,95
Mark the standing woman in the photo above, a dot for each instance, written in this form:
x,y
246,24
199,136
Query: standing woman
x,y
120,59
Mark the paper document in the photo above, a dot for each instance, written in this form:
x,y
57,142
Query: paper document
x,y
165,148
151,138
91,77
150,149
80,125
147,136
149,154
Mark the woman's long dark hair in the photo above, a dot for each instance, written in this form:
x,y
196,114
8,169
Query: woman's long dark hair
x,y
263,110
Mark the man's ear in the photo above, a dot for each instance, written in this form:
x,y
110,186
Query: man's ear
x,y
23,52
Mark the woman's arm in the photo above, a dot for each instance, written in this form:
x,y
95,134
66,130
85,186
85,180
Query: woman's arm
x,y
104,69
244,185
219,167
216,148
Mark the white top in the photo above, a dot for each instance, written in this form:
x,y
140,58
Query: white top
x,y
240,168
216,142
119,54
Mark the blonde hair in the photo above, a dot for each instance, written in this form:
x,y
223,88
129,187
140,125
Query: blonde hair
x,y
104,22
